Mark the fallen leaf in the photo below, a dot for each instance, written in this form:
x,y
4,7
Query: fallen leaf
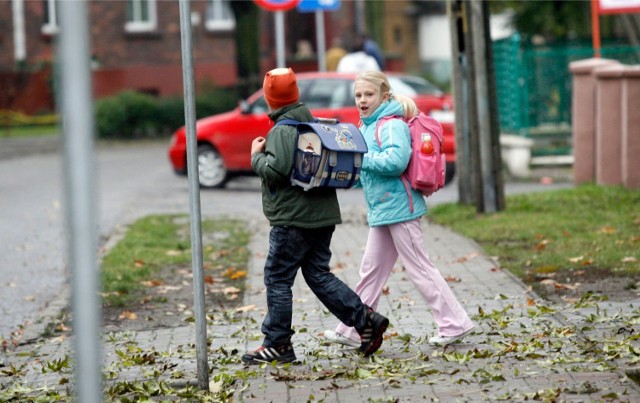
x,y
531,302
238,275
629,259
152,283
607,230
452,279
231,290
128,315
246,308
174,253
209,279
542,245
138,263
166,288
215,386
468,257
62,327
385,290
576,259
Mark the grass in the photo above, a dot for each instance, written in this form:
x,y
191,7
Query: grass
x,y
29,131
585,228
155,242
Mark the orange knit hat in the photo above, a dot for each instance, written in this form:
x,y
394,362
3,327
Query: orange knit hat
x,y
280,88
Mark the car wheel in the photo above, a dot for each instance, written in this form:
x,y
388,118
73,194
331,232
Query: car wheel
x,y
211,168
450,173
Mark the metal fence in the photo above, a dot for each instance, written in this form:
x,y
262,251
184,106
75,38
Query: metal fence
x,y
534,82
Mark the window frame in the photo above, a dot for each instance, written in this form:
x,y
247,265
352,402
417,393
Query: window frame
x,y
214,16
135,23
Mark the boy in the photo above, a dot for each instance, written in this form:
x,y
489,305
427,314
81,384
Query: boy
x,y
302,224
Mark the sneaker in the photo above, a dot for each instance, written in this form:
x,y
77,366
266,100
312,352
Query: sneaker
x,y
340,339
446,340
372,335
281,354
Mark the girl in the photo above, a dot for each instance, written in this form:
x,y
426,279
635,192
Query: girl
x,y
395,231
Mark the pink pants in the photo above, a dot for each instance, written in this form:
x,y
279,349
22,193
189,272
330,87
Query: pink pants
x,y
384,245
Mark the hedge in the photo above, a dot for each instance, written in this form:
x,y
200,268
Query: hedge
x,y
132,115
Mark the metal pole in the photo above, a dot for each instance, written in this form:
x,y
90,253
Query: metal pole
x,y
462,96
194,196
482,109
320,42
279,20
78,130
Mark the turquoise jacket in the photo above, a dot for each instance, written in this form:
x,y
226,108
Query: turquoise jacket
x,y
386,196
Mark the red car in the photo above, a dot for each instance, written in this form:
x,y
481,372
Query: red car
x,y
224,140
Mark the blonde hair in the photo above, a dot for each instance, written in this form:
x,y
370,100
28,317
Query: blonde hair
x,y
380,80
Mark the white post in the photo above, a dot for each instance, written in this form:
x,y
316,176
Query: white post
x,y
320,42
19,41
280,53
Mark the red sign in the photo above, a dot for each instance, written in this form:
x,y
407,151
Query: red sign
x,y
277,5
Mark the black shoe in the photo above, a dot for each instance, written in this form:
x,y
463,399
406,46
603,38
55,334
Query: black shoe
x,y
371,337
281,354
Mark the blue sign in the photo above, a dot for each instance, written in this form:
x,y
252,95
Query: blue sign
x,y
307,6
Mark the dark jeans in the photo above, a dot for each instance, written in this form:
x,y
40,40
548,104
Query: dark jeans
x,y
291,248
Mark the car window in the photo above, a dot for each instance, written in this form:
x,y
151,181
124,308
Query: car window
x,y
260,106
400,87
420,85
321,93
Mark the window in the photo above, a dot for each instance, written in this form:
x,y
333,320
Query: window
x,y
326,94
50,26
141,16
219,16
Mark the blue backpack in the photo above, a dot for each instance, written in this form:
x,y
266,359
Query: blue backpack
x,y
329,153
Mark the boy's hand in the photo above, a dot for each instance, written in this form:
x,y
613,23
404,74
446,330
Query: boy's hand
x,y
258,145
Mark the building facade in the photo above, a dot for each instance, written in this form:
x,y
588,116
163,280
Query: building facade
x,y
135,44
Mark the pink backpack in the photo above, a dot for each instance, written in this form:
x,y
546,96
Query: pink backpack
x,y
426,169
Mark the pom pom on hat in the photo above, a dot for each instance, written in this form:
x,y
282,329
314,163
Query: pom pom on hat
x,y
280,88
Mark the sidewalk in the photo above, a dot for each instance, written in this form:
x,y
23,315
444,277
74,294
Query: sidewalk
x,y
523,349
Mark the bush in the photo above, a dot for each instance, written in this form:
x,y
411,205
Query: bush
x,y
132,115
128,115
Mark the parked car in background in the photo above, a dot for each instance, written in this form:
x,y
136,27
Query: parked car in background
x,y
224,140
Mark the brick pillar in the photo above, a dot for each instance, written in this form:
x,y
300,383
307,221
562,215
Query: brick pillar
x,y
583,117
609,124
631,127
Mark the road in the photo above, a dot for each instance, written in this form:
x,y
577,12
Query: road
x,y
132,181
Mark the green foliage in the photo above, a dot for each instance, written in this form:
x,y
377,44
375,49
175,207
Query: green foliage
x,y
556,19
132,115
128,115
588,227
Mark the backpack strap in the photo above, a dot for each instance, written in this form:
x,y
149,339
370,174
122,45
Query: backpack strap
x,y
380,122
403,177
288,122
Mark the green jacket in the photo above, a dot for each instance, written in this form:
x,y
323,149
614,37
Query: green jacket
x,y
282,203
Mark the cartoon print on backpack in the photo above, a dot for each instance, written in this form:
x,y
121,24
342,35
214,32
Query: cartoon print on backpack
x,y
336,159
